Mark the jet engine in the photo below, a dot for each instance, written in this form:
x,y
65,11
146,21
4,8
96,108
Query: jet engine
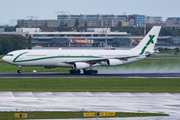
x,y
81,65
114,62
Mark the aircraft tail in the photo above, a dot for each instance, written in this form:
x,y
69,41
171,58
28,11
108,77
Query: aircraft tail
x,y
146,46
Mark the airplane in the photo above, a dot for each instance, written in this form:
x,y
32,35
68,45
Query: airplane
x,y
84,59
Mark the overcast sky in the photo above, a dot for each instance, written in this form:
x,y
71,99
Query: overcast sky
x,y
45,9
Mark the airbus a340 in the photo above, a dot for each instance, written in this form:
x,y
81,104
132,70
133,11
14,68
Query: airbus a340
x,y
84,59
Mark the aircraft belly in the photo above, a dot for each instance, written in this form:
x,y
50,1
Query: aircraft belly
x,y
61,64
135,59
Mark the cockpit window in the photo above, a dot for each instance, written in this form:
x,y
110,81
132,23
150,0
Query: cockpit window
x,y
9,55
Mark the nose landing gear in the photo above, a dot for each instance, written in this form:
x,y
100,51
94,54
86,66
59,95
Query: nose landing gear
x,y
19,67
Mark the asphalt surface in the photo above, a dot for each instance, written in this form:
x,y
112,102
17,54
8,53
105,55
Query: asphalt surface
x,y
68,75
168,103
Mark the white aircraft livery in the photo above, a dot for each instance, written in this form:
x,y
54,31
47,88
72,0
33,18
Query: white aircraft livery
x,y
84,59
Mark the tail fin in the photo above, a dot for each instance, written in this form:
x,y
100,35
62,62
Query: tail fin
x,y
148,42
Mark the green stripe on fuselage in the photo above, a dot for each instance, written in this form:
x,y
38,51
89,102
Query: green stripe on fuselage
x,y
51,57
19,56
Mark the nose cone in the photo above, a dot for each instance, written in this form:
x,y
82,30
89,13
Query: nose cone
x,y
5,59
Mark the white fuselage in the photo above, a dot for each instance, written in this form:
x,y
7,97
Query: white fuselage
x,y
66,58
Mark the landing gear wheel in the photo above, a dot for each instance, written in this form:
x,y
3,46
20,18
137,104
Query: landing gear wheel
x,y
95,72
19,71
84,71
78,71
19,67
72,71
90,72
75,71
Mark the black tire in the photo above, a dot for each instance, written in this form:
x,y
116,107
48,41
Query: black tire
x,y
89,72
95,72
72,71
19,71
84,71
78,71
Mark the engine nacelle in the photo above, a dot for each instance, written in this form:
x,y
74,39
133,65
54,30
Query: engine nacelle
x,y
81,65
114,62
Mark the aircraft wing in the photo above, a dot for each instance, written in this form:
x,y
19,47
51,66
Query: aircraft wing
x,y
97,60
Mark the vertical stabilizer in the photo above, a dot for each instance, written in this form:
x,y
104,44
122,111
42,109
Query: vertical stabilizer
x,y
148,42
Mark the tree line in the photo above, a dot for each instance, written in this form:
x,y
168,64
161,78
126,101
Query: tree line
x,y
13,42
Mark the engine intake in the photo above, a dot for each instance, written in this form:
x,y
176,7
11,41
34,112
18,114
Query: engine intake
x,y
81,65
114,62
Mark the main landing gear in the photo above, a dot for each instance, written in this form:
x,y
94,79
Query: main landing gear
x,y
77,71
19,67
90,71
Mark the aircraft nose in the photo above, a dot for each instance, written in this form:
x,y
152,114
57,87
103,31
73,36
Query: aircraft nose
x,y
4,58
7,59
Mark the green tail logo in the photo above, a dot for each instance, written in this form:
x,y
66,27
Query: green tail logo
x,y
150,41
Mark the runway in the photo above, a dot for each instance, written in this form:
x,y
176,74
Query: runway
x,y
168,103
67,75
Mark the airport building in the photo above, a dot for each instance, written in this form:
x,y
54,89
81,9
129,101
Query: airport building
x,y
94,37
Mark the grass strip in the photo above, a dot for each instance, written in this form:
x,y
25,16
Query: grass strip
x,y
69,114
1,56
169,52
91,84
